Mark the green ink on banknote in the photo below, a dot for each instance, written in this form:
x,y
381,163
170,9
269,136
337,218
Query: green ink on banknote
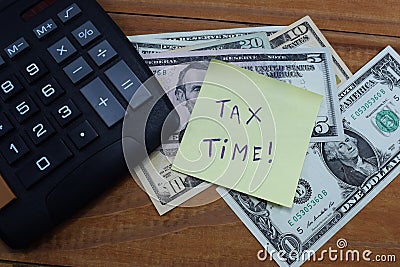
x,y
387,121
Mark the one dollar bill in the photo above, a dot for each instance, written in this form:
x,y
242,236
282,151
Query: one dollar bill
x,y
304,33
338,178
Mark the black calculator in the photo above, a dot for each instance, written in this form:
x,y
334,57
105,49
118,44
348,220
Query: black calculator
x,y
67,75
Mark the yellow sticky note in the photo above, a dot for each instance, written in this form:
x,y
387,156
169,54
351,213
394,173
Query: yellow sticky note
x,y
249,133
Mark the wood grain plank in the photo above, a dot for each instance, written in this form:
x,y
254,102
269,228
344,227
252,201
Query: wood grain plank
x,y
370,17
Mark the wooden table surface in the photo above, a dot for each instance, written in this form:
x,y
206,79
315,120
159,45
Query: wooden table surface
x,y
123,228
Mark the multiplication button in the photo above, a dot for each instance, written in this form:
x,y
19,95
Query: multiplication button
x,y
102,53
62,50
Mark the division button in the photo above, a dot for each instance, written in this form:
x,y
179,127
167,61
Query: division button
x,y
103,102
102,53
123,78
17,47
6,195
83,135
45,28
77,70
86,33
69,13
62,50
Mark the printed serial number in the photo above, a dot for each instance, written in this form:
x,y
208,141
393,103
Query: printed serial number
x,y
307,207
367,104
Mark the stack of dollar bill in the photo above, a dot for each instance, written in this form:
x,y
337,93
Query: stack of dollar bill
x,y
354,150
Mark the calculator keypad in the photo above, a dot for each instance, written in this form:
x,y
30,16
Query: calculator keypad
x,y
50,105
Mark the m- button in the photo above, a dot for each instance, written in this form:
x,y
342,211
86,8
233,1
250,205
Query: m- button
x,y
17,47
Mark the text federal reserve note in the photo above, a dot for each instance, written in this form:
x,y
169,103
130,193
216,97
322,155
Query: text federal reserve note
x,y
257,40
338,178
251,41
205,36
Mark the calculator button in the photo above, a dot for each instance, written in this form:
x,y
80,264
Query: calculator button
x,y
77,70
49,91
102,53
45,28
9,87
54,154
24,108
69,13
103,102
14,149
6,195
66,113
86,33
34,70
123,78
62,50
39,130
5,125
17,47
83,135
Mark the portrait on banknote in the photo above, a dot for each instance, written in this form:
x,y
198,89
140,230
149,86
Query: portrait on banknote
x,y
351,160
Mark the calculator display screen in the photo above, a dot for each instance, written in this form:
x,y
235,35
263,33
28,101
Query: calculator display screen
x,y
36,9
